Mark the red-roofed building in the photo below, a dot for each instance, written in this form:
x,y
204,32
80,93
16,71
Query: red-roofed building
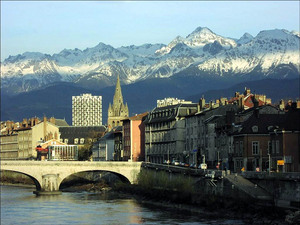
x,y
249,100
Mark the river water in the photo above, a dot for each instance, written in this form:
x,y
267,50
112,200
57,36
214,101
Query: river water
x,y
20,206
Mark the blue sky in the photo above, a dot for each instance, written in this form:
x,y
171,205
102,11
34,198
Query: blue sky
x,y
49,27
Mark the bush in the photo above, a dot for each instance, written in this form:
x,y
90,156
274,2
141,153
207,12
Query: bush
x,y
149,179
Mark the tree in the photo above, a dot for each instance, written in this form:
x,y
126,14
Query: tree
x,y
85,151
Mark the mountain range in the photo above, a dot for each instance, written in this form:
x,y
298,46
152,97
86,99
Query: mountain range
x,y
271,54
203,63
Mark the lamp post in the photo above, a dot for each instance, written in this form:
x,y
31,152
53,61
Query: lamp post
x,y
269,162
168,157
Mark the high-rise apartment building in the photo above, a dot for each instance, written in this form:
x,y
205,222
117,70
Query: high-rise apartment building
x,y
86,110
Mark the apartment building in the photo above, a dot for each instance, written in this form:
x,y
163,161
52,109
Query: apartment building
x,y
86,110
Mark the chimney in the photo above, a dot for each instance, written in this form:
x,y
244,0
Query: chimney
x,y
25,123
241,102
45,128
201,104
255,101
281,104
52,120
247,91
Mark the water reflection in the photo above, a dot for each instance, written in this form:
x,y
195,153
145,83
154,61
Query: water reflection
x,y
20,206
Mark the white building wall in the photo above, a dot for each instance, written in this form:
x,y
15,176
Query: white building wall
x,y
86,110
110,147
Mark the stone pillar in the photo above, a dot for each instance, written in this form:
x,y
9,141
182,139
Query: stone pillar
x,y
49,185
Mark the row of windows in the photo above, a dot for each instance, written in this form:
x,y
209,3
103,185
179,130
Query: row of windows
x,y
273,147
164,113
161,148
160,126
76,141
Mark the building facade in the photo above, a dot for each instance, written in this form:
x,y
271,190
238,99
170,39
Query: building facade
x,y
86,110
284,144
203,141
117,111
252,142
134,138
9,148
109,147
165,133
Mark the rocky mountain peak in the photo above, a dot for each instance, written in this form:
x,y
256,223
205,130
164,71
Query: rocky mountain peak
x,y
246,38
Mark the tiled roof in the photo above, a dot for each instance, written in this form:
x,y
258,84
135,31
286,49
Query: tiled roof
x,y
61,123
267,122
72,132
169,113
139,116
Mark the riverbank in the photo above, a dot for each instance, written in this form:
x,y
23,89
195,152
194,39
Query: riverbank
x,y
213,207
17,185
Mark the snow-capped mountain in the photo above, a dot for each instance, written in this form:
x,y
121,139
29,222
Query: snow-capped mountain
x,y
273,53
268,51
246,38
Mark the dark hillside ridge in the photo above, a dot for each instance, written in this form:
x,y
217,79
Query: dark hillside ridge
x,y
56,100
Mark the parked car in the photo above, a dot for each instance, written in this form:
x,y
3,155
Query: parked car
x,y
210,174
176,163
193,165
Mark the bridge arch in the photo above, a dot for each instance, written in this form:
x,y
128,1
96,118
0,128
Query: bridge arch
x,y
122,178
34,179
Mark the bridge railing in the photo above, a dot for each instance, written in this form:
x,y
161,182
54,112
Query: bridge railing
x,y
271,175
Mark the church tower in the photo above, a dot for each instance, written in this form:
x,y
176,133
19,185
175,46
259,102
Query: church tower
x,y
117,111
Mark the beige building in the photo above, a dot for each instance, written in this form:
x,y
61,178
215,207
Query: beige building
x,y
30,137
9,146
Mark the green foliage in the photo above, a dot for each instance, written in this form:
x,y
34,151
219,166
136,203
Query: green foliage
x,y
84,153
149,179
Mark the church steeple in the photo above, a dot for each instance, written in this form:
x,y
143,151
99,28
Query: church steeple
x,y
118,97
117,111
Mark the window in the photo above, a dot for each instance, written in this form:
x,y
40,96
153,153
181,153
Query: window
x,y
236,147
269,147
241,147
76,141
273,147
255,129
81,140
277,146
255,147
66,141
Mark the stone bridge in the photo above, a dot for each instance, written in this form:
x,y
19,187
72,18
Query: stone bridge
x,y
48,175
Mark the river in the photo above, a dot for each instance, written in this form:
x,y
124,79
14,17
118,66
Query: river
x,y
20,206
